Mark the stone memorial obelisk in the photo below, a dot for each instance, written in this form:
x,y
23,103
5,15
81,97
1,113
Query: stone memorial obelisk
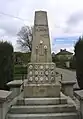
x,y
42,98
41,70
41,50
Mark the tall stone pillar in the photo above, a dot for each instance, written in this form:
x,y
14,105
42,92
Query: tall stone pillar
x,y
41,49
41,80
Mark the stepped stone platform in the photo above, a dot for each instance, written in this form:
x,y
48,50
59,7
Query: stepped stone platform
x,y
41,101
43,108
43,116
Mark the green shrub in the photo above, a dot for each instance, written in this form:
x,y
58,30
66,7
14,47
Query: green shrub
x,y
6,64
73,63
20,71
79,61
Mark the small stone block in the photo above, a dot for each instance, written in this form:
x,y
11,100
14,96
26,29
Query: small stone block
x,y
79,94
4,95
15,83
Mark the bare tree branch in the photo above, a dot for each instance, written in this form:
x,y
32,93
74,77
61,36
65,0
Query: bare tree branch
x,y
25,37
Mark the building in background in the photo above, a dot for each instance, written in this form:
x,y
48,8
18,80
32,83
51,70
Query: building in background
x,y
63,58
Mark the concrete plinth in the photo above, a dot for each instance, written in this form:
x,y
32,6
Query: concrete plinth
x,y
67,88
42,90
15,86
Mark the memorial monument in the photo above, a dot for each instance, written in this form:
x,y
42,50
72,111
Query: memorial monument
x,y
41,97
41,71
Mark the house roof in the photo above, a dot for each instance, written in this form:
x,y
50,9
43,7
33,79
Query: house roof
x,y
64,52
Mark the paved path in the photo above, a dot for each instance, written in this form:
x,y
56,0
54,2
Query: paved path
x,y
67,75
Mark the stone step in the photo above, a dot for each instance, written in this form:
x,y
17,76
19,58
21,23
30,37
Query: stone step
x,y
41,101
43,116
42,109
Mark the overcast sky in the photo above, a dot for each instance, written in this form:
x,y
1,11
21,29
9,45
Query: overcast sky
x,y
65,20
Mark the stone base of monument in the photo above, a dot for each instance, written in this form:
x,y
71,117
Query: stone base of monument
x,y
41,81
43,108
42,90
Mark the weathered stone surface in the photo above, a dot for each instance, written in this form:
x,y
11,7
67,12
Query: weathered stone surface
x,y
42,90
15,87
42,109
43,116
39,73
41,49
4,95
41,70
67,88
41,101
79,94
15,83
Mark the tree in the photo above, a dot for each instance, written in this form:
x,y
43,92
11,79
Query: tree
x,y
25,37
21,58
6,64
73,62
78,49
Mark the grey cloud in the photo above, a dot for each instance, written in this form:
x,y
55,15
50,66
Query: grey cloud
x,y
75,18
18,8
10,25
73,21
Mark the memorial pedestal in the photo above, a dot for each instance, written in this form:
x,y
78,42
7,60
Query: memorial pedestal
x,y
42,90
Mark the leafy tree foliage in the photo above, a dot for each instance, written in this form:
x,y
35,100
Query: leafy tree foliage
x,y
78,49
73,63
25,37
20,72
6,64
21,58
